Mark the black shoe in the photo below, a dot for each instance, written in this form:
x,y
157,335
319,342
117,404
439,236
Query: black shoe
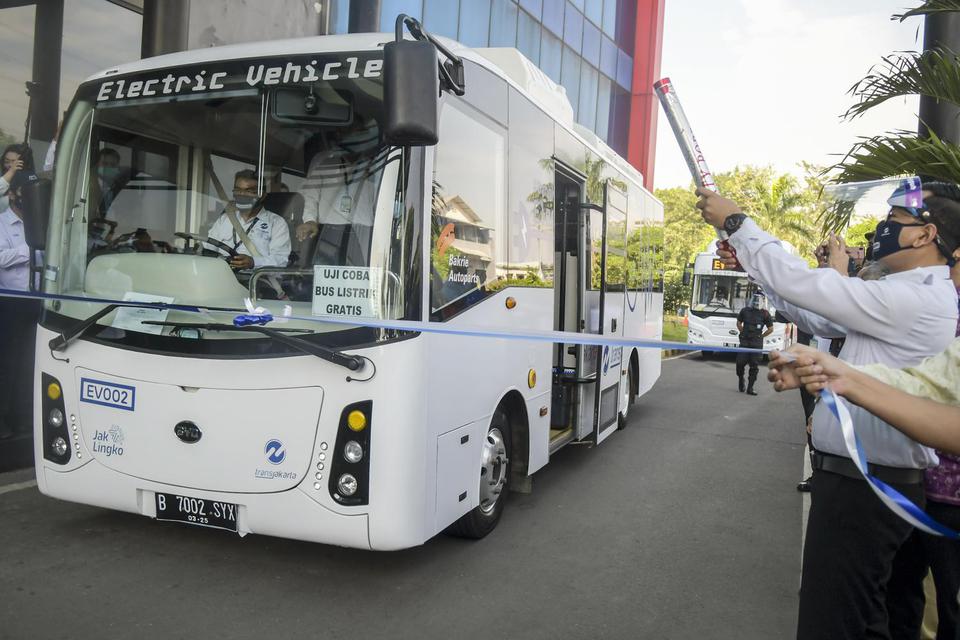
x,y
804,485
741,385
750,391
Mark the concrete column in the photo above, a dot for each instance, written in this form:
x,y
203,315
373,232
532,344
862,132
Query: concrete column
x,y
644,108
364,16
165,27
943,118
45,87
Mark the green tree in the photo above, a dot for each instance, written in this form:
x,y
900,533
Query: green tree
x,y
933,74
855,236
783,205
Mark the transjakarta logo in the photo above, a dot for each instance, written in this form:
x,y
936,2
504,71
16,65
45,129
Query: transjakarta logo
x,y
275,452
257,75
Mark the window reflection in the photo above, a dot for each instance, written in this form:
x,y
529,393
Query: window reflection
x,y
440,17
467,207
531,199
528,38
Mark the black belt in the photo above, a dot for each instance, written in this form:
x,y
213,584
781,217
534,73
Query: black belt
x,y
845,467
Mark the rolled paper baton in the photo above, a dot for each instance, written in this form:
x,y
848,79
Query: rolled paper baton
x,y
689,148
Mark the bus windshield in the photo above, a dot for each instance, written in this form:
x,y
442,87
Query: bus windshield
x,y
720,295
262,179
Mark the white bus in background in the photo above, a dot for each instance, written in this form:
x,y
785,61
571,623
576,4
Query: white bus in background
x,y
321,431
717,296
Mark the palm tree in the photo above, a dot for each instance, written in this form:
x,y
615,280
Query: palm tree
x,y
934,74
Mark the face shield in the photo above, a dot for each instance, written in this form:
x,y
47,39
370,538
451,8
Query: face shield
x,y
875,199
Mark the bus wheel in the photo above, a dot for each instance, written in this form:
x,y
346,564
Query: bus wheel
x,y
629,398
494,477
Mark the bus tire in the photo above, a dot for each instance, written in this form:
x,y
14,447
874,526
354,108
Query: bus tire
x,y
494,481
631,398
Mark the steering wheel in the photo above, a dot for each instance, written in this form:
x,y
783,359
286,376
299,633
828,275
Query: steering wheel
x,y
200,240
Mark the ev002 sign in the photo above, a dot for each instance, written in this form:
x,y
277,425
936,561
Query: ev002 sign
x,y
108,394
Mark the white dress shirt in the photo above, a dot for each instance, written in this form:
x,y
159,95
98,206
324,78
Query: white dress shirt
x,y
267,231
898,321
14,253
335,192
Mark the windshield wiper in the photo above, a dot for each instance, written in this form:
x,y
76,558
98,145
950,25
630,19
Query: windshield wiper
x,y
330,355
75,330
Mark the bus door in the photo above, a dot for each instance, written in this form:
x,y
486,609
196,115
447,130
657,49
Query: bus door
x,y
607,282
565,416
613,300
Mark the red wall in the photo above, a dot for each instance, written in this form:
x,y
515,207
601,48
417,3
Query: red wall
x,y
644,108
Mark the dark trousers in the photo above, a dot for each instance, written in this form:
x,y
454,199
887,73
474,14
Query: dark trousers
x,y
18,331
753,359
848,554
921,551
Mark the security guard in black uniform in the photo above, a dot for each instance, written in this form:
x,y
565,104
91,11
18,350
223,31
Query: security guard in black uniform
x,y
750,322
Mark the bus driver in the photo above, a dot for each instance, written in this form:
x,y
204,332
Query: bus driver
x,y
260,237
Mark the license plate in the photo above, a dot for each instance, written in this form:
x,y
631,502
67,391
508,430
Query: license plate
x,y
197,511
730,344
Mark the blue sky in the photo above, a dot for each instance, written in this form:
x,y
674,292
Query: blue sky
x,y
765,81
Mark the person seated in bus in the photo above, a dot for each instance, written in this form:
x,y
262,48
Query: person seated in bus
x,y
109,179
340,190
719,299
259,237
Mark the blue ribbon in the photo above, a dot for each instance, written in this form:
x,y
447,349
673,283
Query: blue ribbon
x,y
895,500
243,318
247,319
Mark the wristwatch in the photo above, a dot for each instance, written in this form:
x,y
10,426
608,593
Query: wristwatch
x,y
732,224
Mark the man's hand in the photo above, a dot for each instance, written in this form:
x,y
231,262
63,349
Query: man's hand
x,y
715,208
837,257
241,262
782,373
728,258
307,230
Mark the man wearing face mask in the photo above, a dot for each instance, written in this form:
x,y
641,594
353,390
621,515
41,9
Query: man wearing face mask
x,y
750,323
897,320
260,237
110,178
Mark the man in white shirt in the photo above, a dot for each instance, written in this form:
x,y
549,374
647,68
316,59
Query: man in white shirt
x,y
261,238
340,191
898,320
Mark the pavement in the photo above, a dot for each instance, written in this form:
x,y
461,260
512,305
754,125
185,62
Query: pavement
x,y
686,524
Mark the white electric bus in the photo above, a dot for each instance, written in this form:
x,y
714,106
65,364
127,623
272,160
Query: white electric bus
x,y
317,430
717,296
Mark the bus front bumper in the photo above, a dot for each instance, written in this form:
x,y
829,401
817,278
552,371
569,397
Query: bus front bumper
x,y
287,514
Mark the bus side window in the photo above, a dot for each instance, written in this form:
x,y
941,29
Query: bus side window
x,y
468,209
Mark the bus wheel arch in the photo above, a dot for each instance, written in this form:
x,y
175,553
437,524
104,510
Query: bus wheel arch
x,y
508,426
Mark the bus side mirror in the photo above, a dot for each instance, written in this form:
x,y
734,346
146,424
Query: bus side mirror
x,y
35,202
411,93
686,277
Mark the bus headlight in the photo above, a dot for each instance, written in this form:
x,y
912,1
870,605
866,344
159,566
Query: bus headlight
x,y
353,452
59,446
55,418
347,484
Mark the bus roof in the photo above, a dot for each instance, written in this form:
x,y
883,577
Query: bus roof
x,y
507,63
